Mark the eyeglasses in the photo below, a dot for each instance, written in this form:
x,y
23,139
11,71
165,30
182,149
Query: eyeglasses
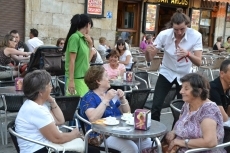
x,y
120,44
62,43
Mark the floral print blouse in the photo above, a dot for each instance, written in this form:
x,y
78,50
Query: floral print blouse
x,y
189,124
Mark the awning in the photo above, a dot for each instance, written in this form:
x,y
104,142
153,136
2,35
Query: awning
x,y
222,1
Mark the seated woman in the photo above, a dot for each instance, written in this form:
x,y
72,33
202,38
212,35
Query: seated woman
x,y
218,45
37,121
201,123
8,52
98,103
114,69
125,55
227,44
95,57
60,43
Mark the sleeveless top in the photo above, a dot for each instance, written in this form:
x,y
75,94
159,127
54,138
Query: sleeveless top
x,y
215,47
4,60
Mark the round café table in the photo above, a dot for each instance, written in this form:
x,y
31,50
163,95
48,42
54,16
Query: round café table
x,y
10,91
156,129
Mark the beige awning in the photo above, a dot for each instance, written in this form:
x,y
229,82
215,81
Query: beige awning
x,y
222,1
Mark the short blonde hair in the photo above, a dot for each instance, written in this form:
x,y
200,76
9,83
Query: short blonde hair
x,y
102,39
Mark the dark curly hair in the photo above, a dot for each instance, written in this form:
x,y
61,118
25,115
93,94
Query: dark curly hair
x,y
94,74
200,85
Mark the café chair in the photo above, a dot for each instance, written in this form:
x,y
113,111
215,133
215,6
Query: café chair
x,y
14,136
154,67
6,73
227,137
138,98
176,106
223,145
68,105
214,67
61,83
82,122
11,104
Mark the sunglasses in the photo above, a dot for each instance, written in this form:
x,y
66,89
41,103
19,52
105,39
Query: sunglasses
x,y
62,43
121,44
13,40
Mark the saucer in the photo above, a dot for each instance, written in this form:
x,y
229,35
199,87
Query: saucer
x,y
111,123
129,123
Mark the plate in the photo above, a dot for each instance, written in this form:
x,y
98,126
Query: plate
x,y
124,118
111,123
129,123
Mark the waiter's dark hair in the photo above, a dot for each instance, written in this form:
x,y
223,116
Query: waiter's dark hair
x,y
77,22
178,18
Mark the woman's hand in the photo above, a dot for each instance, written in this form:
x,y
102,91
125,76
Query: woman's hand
x,y
76,133
171,145
110,94
71,87
51,99
170,136
120,94
89,40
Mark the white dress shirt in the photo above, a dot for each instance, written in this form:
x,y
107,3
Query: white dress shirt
x,y
173,66
34,43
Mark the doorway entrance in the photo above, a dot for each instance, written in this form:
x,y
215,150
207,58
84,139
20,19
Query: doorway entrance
x,y
165,14
128,21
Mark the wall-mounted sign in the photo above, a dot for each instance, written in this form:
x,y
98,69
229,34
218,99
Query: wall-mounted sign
x,y
94,8
175,2
109,15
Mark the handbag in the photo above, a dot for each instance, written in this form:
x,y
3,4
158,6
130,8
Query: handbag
x,y
76,145
165,147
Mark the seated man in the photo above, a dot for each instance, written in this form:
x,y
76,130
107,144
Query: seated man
x,y
34,42
219,90
20,44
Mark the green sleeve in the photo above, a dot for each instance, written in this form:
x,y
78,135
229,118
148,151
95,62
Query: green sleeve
x,y
73,44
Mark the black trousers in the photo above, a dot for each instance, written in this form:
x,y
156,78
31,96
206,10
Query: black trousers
x,y
162,88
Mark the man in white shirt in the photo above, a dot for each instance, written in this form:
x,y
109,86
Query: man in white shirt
x,y
34,42
182,48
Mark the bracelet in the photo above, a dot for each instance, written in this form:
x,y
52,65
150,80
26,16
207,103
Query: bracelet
x,y
124,103
188,54
104,103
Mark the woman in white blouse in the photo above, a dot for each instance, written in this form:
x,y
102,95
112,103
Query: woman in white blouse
x,y
125,55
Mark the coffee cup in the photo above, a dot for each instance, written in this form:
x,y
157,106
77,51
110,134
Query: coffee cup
x,y
127,116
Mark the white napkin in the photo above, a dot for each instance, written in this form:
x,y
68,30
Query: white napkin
x,y
125,129
115,99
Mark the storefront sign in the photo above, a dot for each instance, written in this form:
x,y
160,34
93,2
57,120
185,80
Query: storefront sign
x,y
94,8
175,2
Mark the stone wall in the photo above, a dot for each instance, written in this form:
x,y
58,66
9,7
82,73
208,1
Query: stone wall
x,y
52,19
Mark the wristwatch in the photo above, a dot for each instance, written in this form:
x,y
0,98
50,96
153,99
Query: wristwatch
x,y
186,142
